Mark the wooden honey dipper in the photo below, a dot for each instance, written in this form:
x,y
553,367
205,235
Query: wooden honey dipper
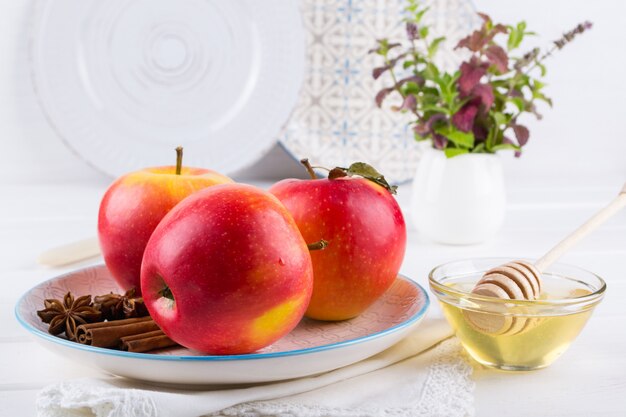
x,y
520,280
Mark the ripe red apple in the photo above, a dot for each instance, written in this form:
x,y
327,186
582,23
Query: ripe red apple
x,y
366,235
227,271
134,205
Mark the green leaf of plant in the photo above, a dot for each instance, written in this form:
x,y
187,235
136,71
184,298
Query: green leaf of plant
x,y
500,118
479,148
516,34
542,68
511,41
424,32
506,146
436,108
420,14
518,102
491,139
462,139
538,85
540,96
504,82
453,79
407,88
428,100
434,46
456,105
383,47
447,88
452,152
443,88
412,7
431,72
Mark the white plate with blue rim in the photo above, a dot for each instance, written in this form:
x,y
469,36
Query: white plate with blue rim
x,y
311,348
123,82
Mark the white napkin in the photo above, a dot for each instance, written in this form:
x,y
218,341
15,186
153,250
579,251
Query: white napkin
x,y
409,379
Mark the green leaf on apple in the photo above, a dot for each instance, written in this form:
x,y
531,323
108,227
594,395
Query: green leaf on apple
x,y
369,173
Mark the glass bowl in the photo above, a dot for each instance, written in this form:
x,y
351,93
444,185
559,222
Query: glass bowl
x,y
516,335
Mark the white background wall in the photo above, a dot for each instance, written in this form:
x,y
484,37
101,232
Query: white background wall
x,y
583,135
581,138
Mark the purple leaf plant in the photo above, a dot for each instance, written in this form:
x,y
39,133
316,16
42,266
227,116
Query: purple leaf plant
x,y
476,108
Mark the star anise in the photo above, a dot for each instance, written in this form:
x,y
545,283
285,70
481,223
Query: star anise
x,y
116,306
66,315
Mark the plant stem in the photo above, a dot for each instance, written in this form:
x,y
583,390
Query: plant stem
x,y
397,89
179,159
318,245
416,72
537,61
393,74
309,168
534,65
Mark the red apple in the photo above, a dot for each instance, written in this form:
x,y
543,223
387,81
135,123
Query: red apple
x,y
366,235
134,205
227,271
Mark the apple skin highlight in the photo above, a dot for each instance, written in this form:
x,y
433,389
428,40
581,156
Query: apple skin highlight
x,y
366,236
133,206
236,266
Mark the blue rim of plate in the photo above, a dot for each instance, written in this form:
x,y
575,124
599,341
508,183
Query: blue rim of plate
x,y
217,358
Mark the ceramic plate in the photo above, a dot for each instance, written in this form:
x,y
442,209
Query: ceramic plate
x,y
123,82
336,121
311,348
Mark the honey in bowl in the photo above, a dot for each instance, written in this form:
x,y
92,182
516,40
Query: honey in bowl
x,y
529,334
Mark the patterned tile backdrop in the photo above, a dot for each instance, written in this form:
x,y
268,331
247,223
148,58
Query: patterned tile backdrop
x,y
336,121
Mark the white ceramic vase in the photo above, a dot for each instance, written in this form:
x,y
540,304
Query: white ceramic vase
x,y
459,200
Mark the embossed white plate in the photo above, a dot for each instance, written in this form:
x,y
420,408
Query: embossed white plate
x,y
311,348
123,82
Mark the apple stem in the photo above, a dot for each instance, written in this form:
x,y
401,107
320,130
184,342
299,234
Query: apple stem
x,y
179,159
309,168
318,245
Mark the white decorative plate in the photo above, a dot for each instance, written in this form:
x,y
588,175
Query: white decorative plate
x,y
123,82
336,121
311,348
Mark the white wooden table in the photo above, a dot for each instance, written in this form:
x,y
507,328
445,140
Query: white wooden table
x,y
590,379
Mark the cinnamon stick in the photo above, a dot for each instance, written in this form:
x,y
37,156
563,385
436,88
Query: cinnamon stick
x,y
146,342
109,333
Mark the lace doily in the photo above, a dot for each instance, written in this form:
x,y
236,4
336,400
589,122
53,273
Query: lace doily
x,y
448,391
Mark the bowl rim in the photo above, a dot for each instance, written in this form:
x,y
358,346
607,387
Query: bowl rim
x,y
593,297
